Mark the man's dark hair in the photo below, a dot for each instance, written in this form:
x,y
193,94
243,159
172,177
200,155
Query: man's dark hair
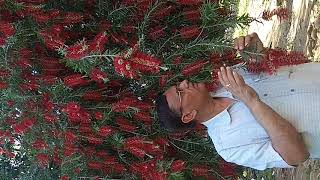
x,y
169,119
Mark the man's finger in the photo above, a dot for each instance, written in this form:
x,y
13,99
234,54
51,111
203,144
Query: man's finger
x,y
224,75
231,79
238,78
240,43
247,40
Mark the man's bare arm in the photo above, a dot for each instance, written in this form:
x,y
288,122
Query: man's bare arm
x,y
284,137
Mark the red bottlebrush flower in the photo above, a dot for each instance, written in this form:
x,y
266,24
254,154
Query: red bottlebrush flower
x,y
119,168
124,67
7,29
152,149
2,40
95,140
144,117
92,96
69,151
189,32
51,41
71,107
98,115
4,73
94,165
146,62
69,136
64,177
200,170
41,17
98,75
156,33
194,68
56,29
125,125
105,131
189,2
74,80
128,28
49,118
177,60
43,159
134,141
123,104
281,13
28,122
97,44
110,161
136,151
3,85
143,106
53,13
77,51
77,170
178,166
161,141
227,169
25,53
39,144
72,18
192,14
162,12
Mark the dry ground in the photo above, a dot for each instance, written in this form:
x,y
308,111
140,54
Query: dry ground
x,y
292,35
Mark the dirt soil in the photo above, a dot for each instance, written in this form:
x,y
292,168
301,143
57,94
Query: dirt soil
x,y
297,34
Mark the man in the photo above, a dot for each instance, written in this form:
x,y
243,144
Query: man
x,y
255,120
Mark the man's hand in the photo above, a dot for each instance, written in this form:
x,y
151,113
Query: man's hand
x,y
234,83
252,46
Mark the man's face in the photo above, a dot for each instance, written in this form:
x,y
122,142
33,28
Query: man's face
x,y
187,96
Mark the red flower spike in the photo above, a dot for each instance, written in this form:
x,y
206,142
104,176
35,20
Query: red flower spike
x,y
7,29
2,40
178,166
189,2
77,51
144,117
134,141
124,67
98,115
136,152
156,33
192,14
189,32
98,75
97,44
3,85
92,96
105,131
200,170
39,144
74,80
162,12
227,169
119,168
94,165
77,170
194,68
125,125
72,18
70,137
43,159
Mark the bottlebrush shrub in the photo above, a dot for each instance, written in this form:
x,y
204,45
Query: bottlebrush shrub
x,y
78,82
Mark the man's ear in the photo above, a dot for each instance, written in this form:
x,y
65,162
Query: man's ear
x,y
189,116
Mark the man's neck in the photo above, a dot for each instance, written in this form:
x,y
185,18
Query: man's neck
x,y
213,107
